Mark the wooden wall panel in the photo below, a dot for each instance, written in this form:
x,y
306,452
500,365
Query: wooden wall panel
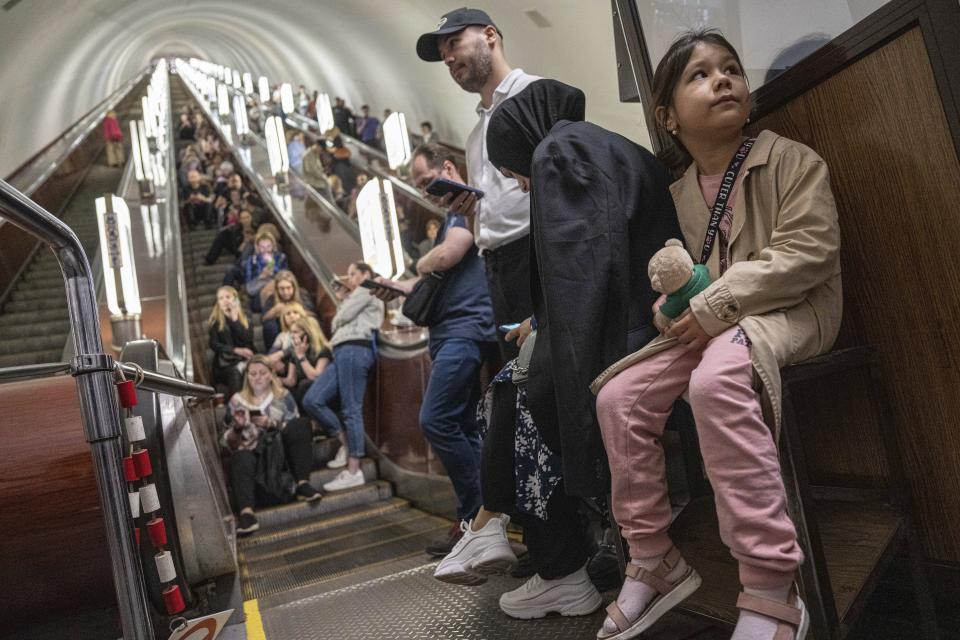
x,y
53,554
881,128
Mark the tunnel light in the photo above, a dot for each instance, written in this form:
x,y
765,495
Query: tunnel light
x,y
248,84
237,82
396,139
240,116
264,87
277,149
286,98
223,100
142,165
119,269
324,113
379,228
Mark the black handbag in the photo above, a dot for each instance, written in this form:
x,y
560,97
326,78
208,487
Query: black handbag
x,y
421,306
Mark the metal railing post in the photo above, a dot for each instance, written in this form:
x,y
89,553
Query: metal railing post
x,y
99,407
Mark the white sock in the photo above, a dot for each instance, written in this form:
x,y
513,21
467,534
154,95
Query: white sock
x,y
753,626
635,595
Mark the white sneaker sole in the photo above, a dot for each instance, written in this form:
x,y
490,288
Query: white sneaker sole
x,y
658,609
581,606
341,487
476,573
336,464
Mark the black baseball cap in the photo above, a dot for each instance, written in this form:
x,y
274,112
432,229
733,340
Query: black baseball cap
x,y
456,20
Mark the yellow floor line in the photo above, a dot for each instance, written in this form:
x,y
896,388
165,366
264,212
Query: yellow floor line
x,y
254,623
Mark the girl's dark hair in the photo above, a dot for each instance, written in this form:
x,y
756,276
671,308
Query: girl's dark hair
x,y
667,76
670,69
363,267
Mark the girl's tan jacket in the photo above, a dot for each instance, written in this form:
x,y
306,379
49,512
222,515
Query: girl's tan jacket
x,y
783,283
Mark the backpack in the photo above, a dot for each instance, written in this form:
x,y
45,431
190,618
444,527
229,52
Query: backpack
x,y
273,479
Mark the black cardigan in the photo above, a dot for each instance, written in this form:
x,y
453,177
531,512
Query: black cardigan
x,y
224,341
600,208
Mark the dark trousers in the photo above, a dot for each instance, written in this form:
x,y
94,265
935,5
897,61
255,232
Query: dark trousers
x,y
559,545
448,417
201,213
225,240
298,448
508,277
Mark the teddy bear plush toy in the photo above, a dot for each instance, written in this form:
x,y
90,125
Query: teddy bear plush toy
x,y
672,272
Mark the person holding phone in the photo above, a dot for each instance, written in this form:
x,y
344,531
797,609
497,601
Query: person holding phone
x,y
262,404
306,357
345,379
459,339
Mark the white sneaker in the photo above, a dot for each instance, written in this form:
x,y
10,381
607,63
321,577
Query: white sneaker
x,y
345,480
478,554
340,460
572,595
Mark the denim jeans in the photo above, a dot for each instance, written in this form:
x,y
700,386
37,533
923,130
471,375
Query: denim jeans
x,y
344,378
448,417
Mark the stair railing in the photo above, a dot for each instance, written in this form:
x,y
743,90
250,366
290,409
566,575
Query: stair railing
x,y
94,372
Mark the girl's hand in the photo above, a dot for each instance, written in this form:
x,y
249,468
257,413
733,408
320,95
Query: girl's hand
x,y
688,331
261,420
519,334
300,349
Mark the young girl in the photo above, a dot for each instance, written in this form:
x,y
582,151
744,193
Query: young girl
x,y
775,299
291,312
264,404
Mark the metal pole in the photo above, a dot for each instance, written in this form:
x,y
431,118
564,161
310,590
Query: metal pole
x,y
99,407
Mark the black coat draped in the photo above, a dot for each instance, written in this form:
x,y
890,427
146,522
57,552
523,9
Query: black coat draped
x,y
600,208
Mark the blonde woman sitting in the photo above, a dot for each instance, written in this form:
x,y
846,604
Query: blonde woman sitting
x,y
292,311
306,358
230,338
258,413
285,289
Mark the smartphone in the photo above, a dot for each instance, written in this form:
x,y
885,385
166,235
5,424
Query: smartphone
x,y
255,413
507,328
371,284
442,186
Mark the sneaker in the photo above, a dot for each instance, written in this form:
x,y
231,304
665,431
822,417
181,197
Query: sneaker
x,y
345,480
441,548
478,554
340,460
306,493
247,524
572,595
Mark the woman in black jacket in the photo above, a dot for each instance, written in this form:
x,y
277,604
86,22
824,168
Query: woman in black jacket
x,y
231,339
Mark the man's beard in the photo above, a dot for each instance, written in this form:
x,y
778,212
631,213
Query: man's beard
x,y
478,70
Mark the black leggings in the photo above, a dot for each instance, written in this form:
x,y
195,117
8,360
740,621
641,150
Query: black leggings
x,y
559,545
298,447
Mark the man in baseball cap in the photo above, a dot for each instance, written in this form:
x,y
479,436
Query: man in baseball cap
x,y
471,46
457,20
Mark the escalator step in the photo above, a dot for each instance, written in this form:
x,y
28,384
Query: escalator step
x,y
29,293
33,357
27,330
275,517
47,304
27,318
37,342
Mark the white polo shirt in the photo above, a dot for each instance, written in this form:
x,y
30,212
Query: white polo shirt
x,y
503,214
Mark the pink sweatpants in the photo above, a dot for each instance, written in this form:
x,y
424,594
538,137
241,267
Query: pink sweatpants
x,y
737,447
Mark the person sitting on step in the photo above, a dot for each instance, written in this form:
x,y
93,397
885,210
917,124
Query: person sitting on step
x,y
264,406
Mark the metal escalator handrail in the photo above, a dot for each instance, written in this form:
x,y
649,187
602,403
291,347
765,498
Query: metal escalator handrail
x,y
305,125
99,408
151,381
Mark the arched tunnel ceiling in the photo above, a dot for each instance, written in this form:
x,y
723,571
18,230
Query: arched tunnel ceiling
x,y
58,58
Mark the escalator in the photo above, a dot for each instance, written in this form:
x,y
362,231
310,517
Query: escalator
x,y
33,318
348,537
